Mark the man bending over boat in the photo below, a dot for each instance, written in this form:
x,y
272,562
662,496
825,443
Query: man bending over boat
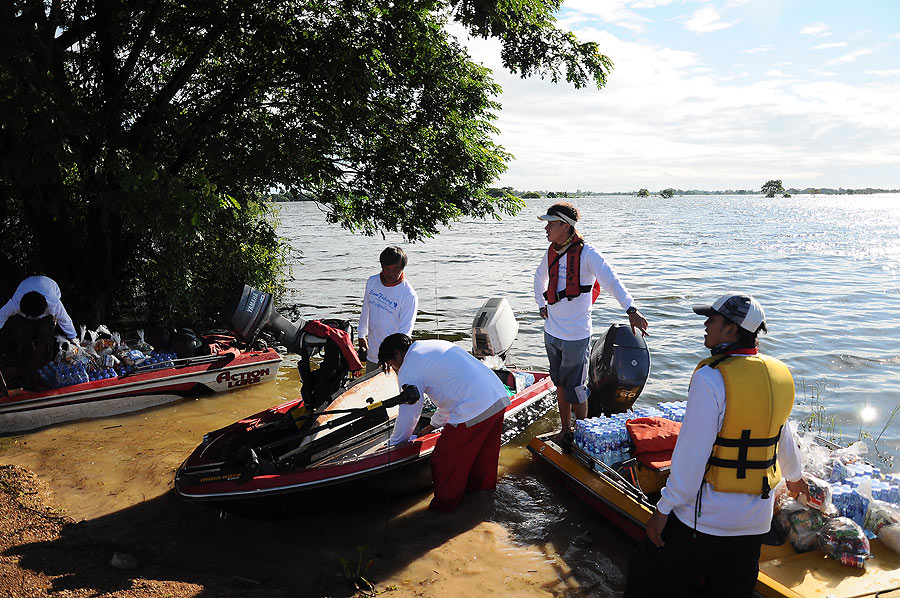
x,y
389,305
470,401
734,446
566,284
30,318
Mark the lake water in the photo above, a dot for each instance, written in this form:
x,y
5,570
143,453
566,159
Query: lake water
x,y
825,269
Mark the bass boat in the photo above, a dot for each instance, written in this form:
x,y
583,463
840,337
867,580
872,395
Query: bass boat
x,y
141,388
317,448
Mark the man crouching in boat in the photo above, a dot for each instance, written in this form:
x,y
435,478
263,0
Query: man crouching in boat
x,y
732,450
470,403
30,317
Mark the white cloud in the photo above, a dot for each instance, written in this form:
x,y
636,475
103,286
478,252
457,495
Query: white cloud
x,y
766,48
851,56
666,120
651,3
613,12
831,45
706,20
816,29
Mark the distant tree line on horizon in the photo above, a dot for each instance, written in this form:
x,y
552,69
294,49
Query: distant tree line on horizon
x,y
665,193
670,192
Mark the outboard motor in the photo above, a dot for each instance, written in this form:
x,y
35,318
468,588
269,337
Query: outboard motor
x,y
618,370
252,311
494,328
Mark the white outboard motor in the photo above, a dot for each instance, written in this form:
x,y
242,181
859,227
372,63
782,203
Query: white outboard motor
x,y
618,370
494,328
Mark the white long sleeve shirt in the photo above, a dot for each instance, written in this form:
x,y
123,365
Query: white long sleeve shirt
x,y
386,311
461,386
571,320
50,290
721,513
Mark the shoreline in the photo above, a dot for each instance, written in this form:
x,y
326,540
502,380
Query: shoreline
x,y
164,547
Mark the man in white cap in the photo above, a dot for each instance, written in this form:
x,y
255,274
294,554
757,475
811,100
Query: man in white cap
x,y
566,284
734,446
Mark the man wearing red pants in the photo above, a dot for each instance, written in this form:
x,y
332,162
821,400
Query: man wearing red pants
x,y
470,403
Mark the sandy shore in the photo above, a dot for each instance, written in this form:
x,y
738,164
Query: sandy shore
x,y
163,547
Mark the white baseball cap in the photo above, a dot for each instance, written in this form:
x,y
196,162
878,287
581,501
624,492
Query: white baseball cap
x,y
743,310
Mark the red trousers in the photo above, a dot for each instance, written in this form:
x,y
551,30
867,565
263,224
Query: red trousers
x,y
465,460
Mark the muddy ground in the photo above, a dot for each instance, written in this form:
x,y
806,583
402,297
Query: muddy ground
x,y
165,548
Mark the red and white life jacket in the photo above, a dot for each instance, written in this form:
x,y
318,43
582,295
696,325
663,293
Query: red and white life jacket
x,y
573,286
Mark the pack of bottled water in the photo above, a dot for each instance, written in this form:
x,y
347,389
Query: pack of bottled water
x,y
606,438
58,375
852,495
673,410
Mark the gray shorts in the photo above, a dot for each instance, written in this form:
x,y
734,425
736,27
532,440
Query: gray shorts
x,y
568,365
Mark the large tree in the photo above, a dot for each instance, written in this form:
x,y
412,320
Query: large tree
x,y
138,137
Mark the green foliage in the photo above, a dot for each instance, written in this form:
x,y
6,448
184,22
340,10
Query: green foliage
x,y
817,420
354,572
643,193
531,195
667,193
140,138
772,188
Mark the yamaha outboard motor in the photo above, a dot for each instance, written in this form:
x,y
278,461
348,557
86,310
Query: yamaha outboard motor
x,y
618,370
252,311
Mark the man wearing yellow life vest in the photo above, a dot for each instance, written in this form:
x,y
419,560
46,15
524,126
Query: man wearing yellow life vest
x,y
566,284
734,446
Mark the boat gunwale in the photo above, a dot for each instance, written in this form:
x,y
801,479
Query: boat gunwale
x,y
62,396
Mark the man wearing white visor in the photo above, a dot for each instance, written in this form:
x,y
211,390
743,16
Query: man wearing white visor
x,y
566,284
734,446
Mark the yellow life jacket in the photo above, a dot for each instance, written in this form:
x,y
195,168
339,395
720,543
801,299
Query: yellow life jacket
x,y
759,395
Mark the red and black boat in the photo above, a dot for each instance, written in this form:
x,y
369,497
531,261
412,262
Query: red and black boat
x,y
328,446
275,454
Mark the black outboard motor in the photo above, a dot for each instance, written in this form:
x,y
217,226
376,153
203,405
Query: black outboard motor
x,y
618,370
252,311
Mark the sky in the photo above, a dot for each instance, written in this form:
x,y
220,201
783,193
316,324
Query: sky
x,y
712,94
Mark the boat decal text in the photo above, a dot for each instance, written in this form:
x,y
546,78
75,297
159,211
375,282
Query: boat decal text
x,y
242,378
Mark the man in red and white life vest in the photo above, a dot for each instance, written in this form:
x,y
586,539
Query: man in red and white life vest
x,y
470,401
734,446
389,305
566,284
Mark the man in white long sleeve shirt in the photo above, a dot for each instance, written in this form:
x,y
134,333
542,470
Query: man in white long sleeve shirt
x,y
30,318
717,503
389,305
566,284
470,401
